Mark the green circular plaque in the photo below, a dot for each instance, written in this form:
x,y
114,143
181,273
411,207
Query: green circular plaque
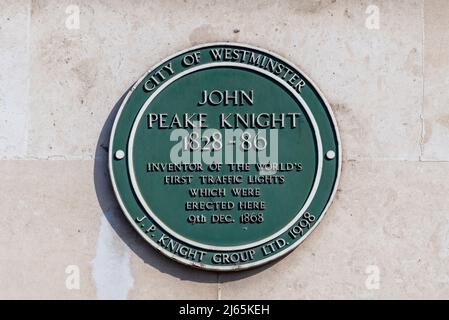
x,y
224,156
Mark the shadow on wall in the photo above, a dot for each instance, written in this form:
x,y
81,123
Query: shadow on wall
x,y
113,214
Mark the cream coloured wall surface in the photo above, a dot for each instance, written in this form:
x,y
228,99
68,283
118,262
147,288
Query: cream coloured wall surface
x,y
383,66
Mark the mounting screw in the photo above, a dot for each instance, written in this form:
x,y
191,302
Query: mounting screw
x,y
330,155
119,154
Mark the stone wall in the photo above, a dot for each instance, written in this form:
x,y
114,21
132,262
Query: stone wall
x,y
383,65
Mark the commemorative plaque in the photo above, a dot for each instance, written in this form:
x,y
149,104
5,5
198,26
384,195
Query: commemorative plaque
x,y
224,156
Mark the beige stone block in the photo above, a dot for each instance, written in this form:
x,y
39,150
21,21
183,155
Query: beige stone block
x,y
57,214
389,219
436,111
14,77
372,77
49,220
